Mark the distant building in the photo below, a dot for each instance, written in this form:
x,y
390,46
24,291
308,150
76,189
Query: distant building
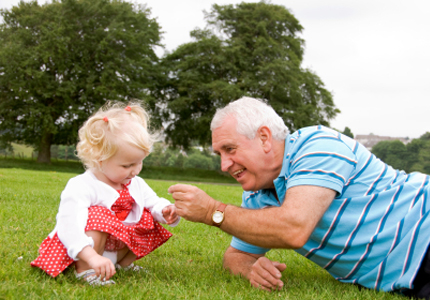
x,y
370,140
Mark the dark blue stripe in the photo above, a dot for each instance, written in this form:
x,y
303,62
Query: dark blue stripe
x,y
364,168
400,233
325,242
314,135
358,174
319,172
408,262
355,148
384,262
425,192
414,242
420,193
329,155
348,246
380,230
375,184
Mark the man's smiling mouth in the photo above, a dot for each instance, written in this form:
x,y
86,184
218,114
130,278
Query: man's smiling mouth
x,y
238,172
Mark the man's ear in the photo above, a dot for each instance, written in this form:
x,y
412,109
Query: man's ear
x,y
265,136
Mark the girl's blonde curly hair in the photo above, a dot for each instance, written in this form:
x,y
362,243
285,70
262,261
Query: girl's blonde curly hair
x,y
113,124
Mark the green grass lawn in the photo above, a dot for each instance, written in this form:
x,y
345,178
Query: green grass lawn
x,y
188,266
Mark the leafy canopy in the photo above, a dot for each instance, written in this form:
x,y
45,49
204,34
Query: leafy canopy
x,y
248,49
415,156
61,61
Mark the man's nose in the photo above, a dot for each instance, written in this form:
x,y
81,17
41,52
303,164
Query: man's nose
x,y
226,163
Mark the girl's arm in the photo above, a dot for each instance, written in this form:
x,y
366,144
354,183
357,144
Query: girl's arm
x,y
157,205
72,217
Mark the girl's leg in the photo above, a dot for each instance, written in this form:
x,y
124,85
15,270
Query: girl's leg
x,y
99,239
126,257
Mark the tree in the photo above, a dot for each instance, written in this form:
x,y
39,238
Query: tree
x,y
61,61
249,49
198,160
393,153
421,163
347,131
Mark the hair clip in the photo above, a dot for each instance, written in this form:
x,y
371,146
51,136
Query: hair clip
x,y
128,108
105,119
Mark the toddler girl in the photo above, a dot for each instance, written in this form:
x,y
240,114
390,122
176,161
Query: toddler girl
x,y
108,217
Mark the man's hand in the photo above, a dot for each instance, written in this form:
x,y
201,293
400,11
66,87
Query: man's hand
x,y
266,274
192,203
261,272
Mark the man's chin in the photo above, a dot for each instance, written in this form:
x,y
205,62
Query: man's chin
x,y
248,188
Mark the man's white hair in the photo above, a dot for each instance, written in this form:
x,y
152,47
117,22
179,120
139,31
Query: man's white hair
x,y
251,114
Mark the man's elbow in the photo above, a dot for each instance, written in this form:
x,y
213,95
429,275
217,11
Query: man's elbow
x,y
294,241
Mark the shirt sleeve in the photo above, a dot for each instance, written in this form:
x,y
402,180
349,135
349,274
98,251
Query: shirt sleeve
x,y
72,217
246,247
323,160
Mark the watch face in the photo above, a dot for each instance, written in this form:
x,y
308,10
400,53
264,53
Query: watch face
x,y
218,217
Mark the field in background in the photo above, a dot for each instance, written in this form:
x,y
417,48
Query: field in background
x,y
148,172
188,266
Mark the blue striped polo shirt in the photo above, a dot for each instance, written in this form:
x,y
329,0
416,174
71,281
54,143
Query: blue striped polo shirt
x,y
376,231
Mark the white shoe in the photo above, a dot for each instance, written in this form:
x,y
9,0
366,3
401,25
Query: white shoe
x,y
92,279
131,267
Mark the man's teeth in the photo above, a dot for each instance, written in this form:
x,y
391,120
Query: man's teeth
x,y
238,171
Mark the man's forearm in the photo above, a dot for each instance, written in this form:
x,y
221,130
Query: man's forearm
x,y
252,226
288,226
238,263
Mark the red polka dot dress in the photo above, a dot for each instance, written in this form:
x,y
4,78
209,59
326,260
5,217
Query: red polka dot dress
x,y
141,238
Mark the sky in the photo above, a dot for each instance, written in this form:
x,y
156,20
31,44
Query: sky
x,y
372,55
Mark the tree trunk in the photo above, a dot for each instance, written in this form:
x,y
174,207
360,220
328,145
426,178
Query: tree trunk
x,y
44,155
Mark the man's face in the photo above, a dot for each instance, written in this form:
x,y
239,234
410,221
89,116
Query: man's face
x,y
241,157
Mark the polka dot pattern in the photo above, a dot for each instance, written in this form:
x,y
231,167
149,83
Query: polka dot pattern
x,y
53,258
141,238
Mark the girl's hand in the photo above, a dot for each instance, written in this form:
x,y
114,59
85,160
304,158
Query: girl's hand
x,y
92,260
102,266
169,214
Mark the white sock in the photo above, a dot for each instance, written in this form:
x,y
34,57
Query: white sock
x,y
112,255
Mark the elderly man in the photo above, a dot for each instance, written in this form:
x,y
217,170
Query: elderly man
x,y
318,192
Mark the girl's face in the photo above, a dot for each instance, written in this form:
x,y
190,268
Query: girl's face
x,y
122,167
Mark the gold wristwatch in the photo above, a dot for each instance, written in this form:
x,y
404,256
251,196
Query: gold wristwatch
x,y
218,215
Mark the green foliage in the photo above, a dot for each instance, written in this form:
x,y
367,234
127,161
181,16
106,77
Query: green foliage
x,y
190,159
63,152
249,49
347,131
188,266
415,156
392,153
199,161
62,60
